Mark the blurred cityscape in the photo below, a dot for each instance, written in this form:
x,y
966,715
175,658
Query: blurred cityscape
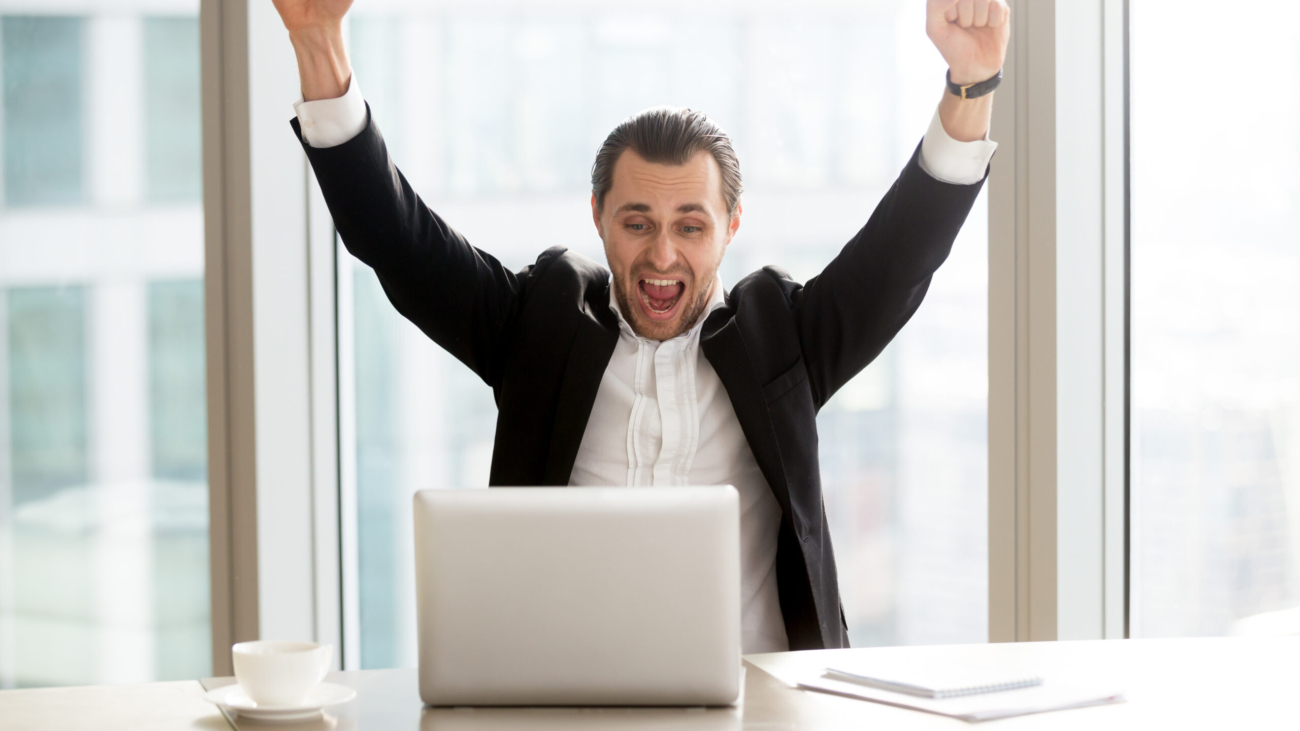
x,y
103,466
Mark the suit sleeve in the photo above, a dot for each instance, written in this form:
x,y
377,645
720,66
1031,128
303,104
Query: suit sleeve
x,y
460,296
848,313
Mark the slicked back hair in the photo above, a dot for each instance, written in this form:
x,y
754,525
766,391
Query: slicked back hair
x,y
668,136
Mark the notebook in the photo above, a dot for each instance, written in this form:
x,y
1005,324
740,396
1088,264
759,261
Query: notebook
x,y
974,707
950,681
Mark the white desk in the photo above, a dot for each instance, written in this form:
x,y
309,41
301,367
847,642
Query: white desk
x,y
1171,684
173,705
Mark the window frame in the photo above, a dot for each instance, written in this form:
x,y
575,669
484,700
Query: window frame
x,y
272,469
1058,327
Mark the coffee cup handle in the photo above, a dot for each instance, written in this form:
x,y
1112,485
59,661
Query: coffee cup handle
x,y
326,656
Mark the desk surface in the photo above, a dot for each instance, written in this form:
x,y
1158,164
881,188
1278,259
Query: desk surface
x,y
1174,684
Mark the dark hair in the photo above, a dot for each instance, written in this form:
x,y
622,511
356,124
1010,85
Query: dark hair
x,y
668,136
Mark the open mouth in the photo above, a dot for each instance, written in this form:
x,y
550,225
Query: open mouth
x,y
660,297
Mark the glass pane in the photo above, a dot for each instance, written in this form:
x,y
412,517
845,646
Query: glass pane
x,y
47,394
173,145
43,69
1215,288
103,426
177,395
495,114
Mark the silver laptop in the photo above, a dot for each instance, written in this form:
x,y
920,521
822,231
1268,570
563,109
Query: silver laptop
x,y
578,596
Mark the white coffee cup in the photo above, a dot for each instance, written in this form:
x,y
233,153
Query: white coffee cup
x,y
280,673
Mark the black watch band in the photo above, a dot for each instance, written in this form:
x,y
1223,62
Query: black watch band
x,y
973,91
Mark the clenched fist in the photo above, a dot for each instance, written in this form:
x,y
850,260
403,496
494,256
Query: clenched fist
x,y
971,35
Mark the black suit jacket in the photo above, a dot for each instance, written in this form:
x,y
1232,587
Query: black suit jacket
x,y
542,337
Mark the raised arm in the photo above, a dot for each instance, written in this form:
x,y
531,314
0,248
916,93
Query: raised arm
x,y
848,314
461,297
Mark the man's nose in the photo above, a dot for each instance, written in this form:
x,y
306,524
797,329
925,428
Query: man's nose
x,y
663,253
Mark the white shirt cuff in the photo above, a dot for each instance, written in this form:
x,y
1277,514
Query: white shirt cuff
x,y
946,159
331,122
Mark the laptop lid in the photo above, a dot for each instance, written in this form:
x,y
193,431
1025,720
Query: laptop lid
x,y
578,596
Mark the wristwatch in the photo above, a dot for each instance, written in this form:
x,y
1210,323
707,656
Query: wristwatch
x,y
973,91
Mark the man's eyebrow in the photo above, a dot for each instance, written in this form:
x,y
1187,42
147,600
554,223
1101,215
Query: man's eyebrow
x,y
633,207
645,208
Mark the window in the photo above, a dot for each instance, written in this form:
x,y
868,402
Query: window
x,y
103,484
495,112
172,130
43,69
47,391
177,399
1215,415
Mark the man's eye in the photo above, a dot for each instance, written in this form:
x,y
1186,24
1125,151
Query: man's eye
x,y
636,226
691,229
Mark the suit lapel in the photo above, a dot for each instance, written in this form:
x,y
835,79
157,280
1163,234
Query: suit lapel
x,y
722,344
593,345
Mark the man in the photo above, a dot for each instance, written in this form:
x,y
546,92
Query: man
x,y
651,373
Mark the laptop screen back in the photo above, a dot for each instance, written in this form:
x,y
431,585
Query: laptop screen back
x,y
578,596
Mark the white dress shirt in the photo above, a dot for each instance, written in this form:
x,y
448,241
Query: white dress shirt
x,y
661,416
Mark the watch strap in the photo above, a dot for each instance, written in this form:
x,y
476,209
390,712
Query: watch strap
x,y
973,91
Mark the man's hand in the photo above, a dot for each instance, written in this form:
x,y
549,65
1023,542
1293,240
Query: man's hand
x,y
316,31
972,36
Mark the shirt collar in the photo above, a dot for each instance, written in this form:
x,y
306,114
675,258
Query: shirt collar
x,y
716,300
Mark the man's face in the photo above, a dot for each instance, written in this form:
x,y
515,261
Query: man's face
x,y
665,229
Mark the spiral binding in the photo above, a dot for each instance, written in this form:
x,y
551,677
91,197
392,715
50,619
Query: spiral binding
x,y
993,688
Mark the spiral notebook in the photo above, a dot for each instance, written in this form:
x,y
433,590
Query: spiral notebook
x,y
971,694
947,682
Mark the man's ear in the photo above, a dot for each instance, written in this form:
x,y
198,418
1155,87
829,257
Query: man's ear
x,y
595,216
735,222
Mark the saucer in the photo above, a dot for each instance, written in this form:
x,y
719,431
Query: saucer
x,y
325,694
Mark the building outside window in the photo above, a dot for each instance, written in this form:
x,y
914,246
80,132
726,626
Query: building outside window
x,y
103,469
43,70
